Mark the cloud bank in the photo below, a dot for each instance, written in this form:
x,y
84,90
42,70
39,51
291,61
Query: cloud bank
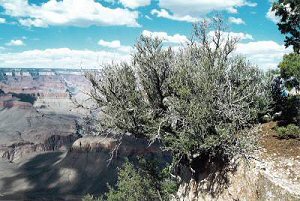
x,y
265,54
80,13
60,58
202,7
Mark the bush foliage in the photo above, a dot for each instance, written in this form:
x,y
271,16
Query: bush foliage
x,y
132,185
195,101
290,131
145,183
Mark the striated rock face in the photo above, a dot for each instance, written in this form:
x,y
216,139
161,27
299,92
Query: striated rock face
x,y
23,131
37,115
19,150
16,104
38,124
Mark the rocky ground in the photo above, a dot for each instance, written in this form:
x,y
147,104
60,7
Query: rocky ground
x,y
271,174
56,175
280,161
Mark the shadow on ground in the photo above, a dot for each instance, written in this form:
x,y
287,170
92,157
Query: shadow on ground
x,y
53,176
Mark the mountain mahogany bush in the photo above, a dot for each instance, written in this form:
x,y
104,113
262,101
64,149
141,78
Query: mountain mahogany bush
x,y
197,101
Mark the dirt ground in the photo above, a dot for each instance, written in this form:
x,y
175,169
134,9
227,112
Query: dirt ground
x,y
272,145
281,158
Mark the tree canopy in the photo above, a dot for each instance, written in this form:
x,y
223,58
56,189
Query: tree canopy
x,y
290,66
289,13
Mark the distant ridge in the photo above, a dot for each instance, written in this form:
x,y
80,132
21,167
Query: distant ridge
x,y
46,69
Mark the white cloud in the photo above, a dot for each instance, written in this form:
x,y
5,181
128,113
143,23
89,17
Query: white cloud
x,y
251,4
81,13
177,38
271,16
115,44
33,22
165,14
235,20
112,44
201,7
239,35
135,3
232,10
265,54
61,58
2,20
15,43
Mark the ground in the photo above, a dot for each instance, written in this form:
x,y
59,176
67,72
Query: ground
x,y
271,174
281,159
273,146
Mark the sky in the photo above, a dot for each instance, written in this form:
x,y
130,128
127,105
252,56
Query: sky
x,y
91,33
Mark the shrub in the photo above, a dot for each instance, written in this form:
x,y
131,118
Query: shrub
x,y
133,184
28,98
290,131
194,101
142,183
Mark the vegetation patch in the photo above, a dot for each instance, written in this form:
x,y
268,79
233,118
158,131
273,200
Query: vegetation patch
x,y
289,131
28,98
144,182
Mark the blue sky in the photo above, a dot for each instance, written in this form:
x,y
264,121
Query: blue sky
x,y
89,33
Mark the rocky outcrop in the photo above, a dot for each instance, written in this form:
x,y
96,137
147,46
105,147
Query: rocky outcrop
x,y
129,146
254,181
86,168
14,103
9,101
272,174
22,149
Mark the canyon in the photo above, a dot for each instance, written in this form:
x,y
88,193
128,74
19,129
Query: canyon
x,y
45,154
